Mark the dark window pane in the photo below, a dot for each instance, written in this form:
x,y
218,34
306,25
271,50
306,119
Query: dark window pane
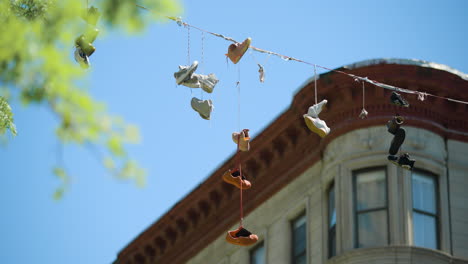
x,y
299,239
424,197
372,229
332,242
300,259
371,190
331,222
257,255
424,230
331,207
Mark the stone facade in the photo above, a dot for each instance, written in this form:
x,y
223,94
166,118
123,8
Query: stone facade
x,y
291,170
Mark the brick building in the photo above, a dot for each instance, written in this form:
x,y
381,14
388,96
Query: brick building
x,y
337,199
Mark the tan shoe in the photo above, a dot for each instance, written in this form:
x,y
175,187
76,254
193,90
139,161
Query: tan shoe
x,y
241,237
233,177
244,139
237,50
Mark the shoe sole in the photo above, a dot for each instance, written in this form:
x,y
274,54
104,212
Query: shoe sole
x,y
397,141
193,105
313,128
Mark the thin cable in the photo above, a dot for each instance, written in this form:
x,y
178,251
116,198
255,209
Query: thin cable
x,y
188,45
239,167
363,95
203,52
315,83
288,58
238,98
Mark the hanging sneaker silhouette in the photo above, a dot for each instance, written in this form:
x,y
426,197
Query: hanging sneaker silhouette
x,y
242,139
237,50
403,161
241,237
314,123
363,113
233,177
185,72
406,162
396,99
203,107
394,124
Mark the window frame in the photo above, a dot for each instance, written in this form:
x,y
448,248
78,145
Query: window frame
x,y
303,214
436,216
356,212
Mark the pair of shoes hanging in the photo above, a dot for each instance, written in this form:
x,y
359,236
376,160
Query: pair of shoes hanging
x,y
240,236
393,127
233,176
84,43
186,76
313,122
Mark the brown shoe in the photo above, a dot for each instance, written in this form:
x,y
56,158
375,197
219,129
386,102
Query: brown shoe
x,y
241,237
233,177
237,50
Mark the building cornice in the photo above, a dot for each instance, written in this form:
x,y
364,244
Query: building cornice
x,y
286,148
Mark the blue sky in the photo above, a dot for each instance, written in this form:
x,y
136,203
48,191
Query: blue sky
x,y
133,75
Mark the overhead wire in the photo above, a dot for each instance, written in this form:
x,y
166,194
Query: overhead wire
x,y
420,94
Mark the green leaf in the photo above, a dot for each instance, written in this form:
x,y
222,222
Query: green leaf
x,y
115,146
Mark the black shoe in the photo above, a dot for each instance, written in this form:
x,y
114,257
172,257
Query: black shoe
x,y
405,162
394,124
396,99
397,141
393,159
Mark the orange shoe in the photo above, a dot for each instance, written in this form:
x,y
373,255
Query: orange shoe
x,y
241,237
237,50
233,177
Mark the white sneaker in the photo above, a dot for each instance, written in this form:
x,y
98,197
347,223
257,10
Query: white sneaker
x,y
206,82
185,72
81,58
192,82
244,139
315,110
314,123
203,107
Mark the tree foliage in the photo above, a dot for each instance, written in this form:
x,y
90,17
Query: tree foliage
x,y
36,66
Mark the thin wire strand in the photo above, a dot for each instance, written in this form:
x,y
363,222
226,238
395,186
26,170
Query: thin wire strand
x,y
288,58
239,167
363,95
315,82
188,45
203,52
238,98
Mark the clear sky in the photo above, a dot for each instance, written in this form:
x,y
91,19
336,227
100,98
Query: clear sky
x,y
133,75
